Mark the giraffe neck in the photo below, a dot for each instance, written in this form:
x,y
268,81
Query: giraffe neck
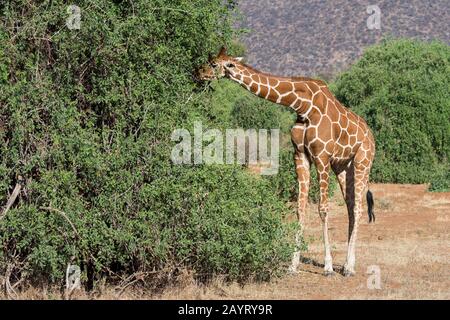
x,y
258,83
297,93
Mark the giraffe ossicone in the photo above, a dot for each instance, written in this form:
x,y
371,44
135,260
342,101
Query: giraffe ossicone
x,y
326,133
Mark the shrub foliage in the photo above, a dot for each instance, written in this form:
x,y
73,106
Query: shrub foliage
x,y
86,118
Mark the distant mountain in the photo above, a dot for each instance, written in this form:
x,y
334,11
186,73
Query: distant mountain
x,y
320,37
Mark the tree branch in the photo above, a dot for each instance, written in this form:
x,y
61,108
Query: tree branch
x,y
64,216
13,197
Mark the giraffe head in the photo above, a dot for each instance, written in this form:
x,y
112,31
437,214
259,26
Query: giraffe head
x,y
218,67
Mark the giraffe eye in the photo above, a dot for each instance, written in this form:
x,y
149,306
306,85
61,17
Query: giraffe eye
x,y
230,65
213,64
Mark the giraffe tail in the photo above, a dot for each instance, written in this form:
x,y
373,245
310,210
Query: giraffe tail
x,y
370,204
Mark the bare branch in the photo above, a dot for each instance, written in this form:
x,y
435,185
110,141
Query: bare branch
x,y
13,197
64,216
9,290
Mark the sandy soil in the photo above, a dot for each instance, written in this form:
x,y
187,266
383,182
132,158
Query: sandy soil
x,y
409,243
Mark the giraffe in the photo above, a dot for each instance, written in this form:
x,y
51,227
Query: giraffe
x,y
326,134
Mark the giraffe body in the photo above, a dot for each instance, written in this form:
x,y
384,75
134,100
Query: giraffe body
x,y
326,134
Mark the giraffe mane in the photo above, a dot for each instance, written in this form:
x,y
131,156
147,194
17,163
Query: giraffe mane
x,y
294,78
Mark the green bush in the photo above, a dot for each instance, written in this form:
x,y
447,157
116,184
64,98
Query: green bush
x,y
441,181
86,118
402,89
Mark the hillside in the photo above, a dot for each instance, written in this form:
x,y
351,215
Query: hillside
x,y
320,37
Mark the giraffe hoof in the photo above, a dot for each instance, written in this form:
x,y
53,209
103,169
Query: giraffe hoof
x,y
293,271
329,273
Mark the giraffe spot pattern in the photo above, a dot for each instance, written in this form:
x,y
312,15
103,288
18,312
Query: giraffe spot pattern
x,y
327,134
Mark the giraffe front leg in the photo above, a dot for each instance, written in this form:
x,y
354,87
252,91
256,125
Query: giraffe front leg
x,y
302,166
323,173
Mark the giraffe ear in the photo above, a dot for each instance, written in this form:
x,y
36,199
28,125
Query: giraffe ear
x,y
223,51
239,59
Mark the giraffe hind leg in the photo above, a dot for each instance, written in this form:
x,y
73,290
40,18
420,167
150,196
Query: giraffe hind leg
x,y
346,180
362,164
358,186
345,176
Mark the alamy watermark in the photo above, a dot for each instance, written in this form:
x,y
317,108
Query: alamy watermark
x,y
235,146
73,22
374,279
374,20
